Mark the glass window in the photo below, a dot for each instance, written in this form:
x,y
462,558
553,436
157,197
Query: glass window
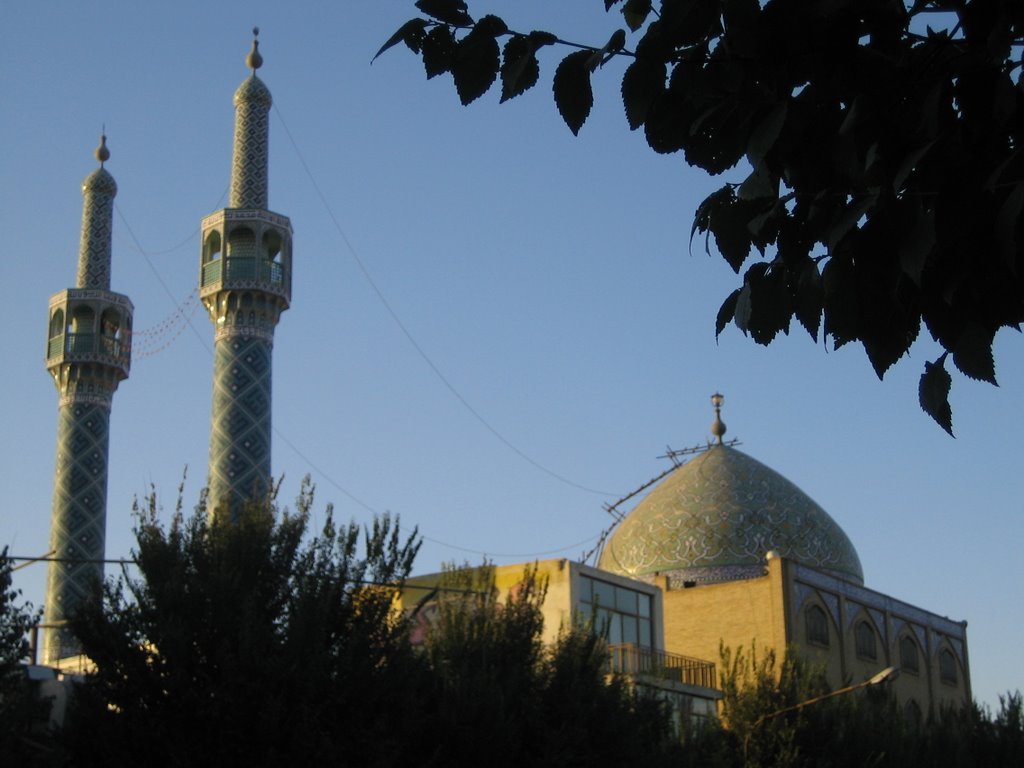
x,y
947,667
909,657
645,633
623,614
645,605
817,625
625,600
864,638
604,594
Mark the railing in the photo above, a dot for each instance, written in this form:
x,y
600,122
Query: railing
x,y
242,268
55,346
630,659
86,344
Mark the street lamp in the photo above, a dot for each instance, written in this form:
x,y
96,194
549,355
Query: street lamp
x,y
886,675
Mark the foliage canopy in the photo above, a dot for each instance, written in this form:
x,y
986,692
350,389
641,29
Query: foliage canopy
x,y
881,141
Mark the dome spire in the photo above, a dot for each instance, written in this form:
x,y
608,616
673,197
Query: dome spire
x,y
254,61
718,426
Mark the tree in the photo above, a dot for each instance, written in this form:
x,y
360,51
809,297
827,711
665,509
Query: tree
x,y
504,699
883,145
240,642
19,710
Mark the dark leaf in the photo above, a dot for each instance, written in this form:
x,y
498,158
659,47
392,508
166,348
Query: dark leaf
x,y
760,184
1007,222
539,38
475,66
636,12
726,312
810,296
447,11
573,95
909,162
771,305
972,354
411,33
933,393
438,51
917,243
702,218
519,68
609,3
728,223
492,26
665,126
763,137
642,81
841,306
743,310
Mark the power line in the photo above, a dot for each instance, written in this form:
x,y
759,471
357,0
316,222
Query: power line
x,y
411,339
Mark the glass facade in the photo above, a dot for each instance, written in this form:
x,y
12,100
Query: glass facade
x,y
623,614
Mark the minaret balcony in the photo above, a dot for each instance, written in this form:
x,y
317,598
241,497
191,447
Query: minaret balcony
x,y
91,348
246,250
90,327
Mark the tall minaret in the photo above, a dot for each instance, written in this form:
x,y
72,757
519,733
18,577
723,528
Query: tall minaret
x,y
88,353
245,284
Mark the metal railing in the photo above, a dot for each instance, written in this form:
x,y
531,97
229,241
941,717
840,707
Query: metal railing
x,y
631,659
77,344
242,268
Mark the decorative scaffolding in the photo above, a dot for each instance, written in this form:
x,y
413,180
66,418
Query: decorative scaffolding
x,y
634,660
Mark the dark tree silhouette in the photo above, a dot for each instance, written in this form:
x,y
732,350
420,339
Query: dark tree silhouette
x,y
881,142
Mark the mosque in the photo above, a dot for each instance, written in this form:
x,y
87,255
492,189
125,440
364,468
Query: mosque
x,y
722,550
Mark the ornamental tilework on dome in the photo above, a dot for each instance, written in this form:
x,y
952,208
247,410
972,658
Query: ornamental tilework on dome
x,y
717,516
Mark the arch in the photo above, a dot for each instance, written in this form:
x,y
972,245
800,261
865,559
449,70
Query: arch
x,y
241,243
816,625
83,320
865,640
948,672
212,247
110,331
910,655
57,323
272,245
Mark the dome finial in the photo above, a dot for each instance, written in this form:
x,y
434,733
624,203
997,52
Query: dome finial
x,y
254,61
718,426
102,153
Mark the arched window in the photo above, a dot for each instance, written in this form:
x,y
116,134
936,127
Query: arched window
x,y
865,642
83,320
910,660
816,625
57,323
212,246
947,667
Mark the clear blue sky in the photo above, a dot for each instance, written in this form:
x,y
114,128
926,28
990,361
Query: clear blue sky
x,y
547,277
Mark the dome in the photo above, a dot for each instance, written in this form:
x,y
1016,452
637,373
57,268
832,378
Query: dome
x,y
100,182
715,518
253,90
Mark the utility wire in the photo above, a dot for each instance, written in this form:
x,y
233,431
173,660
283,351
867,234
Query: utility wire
x,y
408,335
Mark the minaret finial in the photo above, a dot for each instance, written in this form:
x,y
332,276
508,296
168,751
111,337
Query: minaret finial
x,y
102,153
254,61
718,426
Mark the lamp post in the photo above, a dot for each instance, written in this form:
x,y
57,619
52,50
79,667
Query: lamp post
x,y
886,675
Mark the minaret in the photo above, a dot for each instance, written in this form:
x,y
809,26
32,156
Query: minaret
x,y
88,353
245,284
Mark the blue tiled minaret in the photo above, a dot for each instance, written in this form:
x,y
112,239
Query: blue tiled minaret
x,y
88,353
245,284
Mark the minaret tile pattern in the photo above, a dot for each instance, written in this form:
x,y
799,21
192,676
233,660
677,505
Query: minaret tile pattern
x,y
88,353
245,284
